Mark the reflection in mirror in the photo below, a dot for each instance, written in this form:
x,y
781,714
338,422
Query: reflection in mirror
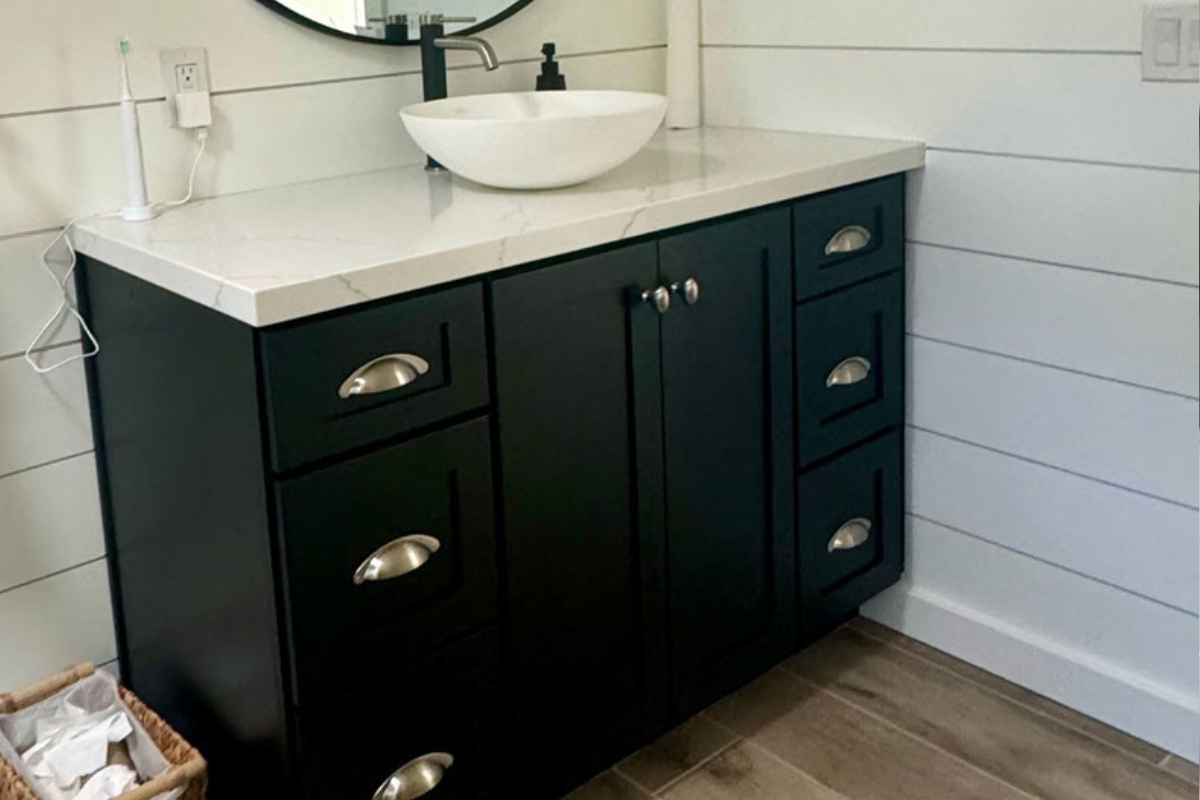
x,y
393,21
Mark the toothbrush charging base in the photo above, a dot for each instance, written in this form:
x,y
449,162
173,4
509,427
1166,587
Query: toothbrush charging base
x,y
138,213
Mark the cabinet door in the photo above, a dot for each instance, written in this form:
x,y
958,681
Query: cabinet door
x,y
580,436
728,406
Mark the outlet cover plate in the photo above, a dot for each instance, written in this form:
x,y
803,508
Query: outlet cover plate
x,y
171,61
1168,43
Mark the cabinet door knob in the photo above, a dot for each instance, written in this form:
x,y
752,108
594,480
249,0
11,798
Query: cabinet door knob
x,y
660,297
849,372
383,374
415,779
851,535
690,289
849,239
397,558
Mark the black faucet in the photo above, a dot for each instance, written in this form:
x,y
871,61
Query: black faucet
x,y
434,44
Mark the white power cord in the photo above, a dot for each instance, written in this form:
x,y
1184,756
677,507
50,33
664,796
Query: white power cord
x,y
66,302
202,137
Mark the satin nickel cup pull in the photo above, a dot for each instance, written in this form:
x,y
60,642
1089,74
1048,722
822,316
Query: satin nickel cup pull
x,y
417,778
659,297
383,374
851,535
849,239
851,371
397,558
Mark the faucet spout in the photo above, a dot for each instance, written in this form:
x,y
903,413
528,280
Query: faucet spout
x,y
434,44
473,43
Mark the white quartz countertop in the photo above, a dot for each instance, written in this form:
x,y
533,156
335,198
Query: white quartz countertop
x,y
280,254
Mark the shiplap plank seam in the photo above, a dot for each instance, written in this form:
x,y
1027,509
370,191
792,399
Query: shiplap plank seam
x,y
1087,162
1049,563
1048,465
924,49
1058,264
270,87
53,574
1048,365
46,463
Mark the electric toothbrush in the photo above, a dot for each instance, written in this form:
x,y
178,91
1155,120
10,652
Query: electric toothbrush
x,y
137,204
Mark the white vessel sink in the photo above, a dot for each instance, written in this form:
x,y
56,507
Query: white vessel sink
x,y
535,140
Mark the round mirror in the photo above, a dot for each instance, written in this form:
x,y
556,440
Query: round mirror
x,y
396,22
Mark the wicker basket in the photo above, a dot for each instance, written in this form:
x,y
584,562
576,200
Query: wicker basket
x,y
187,766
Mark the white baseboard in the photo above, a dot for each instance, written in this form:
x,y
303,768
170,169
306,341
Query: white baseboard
x,y
1125,700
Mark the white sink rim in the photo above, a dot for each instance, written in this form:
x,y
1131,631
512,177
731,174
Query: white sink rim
x,y
622,103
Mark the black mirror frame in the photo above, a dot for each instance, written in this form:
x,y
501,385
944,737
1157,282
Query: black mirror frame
x,y
279,8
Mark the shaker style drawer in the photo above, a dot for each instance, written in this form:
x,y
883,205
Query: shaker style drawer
x,y
387,556
851,532
432,730
350,380
848,235
849,366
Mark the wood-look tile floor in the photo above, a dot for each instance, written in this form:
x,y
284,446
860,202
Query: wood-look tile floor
x,y
869,714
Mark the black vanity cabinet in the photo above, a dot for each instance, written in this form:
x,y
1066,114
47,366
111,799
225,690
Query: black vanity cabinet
x,y
495,536
645,445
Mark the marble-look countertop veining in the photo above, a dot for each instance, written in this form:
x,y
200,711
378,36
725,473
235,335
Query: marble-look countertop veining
x,y
280,254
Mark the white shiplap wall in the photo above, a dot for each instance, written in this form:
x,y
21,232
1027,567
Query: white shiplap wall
x,y
1053,328
290,105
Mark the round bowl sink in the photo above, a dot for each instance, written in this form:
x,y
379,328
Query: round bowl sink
x,y
535,140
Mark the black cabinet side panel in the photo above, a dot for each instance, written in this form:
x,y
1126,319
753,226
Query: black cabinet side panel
x,y
580,437
175,401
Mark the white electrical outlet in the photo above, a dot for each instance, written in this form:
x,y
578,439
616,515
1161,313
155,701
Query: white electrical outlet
x,y
1169,47
185,73
187,78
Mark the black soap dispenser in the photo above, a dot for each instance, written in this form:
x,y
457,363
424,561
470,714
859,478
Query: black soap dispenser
x,y
550,79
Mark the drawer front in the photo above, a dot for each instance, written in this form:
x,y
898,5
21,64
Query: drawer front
x,y
341,383
848,235
387,556
851,530
445,705
850,366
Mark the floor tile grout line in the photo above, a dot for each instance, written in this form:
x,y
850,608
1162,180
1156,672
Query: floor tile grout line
x,y
766,751
909,734
752,742
616,770
1167,759
692,770
720,724
1001,695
